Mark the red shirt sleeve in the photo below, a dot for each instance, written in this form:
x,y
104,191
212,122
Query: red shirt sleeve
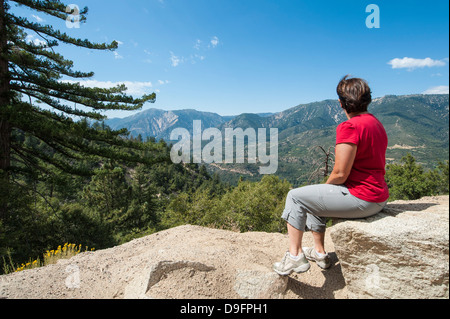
x,y
346,133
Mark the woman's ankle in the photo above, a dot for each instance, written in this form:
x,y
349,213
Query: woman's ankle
x,y
295,251
320,250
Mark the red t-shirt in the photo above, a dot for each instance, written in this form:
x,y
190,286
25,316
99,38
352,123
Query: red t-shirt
x,y
366,180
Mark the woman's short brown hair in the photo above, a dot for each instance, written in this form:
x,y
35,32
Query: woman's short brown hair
x,y
354,94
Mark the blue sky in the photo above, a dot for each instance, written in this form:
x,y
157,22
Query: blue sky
x,y
253,56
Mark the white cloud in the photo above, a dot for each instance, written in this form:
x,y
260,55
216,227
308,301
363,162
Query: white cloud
x,y
193,58
442,89
196,57
162,3
35,41
133,87
175,60
148,60
38,18
214,41
117,56
411,63
161,82
197,44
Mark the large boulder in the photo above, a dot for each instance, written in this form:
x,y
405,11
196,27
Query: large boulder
x,y
401,252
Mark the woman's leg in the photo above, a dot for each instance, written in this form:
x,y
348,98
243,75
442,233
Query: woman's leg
x,y
319,242
308,207
295,240
300,203
294,259
295,214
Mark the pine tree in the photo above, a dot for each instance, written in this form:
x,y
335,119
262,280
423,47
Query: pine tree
x,y
32,72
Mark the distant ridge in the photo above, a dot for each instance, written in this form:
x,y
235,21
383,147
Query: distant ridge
x,y
159,123
416,124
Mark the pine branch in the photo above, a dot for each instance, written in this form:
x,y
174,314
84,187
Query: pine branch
x,y
58,106
62,166
29,61
53,7
56,34
28,162
18,43
81,139
74,92
35,70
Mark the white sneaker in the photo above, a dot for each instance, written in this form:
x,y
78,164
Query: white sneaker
x,y
321,261
288,265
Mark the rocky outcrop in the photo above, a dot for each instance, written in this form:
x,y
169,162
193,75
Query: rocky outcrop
x,y
184,262
400,253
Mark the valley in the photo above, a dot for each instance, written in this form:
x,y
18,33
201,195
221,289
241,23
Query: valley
x,y
416,124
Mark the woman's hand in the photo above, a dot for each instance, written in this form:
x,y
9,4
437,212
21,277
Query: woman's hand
x,y
345,156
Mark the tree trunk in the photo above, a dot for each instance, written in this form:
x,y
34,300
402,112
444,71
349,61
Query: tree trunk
x,y
5,127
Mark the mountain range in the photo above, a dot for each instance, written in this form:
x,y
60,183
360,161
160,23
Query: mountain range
x,y
416,124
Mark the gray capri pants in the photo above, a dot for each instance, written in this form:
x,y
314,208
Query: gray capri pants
x,y
307,207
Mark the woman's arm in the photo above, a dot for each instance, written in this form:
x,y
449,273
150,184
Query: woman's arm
x,y
345,156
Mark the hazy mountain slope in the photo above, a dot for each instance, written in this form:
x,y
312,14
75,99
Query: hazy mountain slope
x,y
160,123
416,124
415,119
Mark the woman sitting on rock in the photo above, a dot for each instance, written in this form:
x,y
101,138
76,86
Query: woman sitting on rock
x,y
356,187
